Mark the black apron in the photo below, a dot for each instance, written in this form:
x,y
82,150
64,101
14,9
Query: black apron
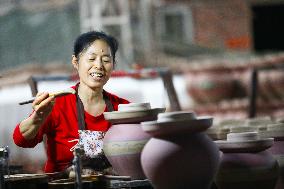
x,y
99,162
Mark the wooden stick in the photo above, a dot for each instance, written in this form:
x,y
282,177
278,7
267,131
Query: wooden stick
x,y
56,94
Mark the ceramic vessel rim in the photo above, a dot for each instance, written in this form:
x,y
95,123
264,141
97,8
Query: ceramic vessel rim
x,y
135,104
246,141
136,111
230,146
243,134
201,118
123,117
146,105
169,128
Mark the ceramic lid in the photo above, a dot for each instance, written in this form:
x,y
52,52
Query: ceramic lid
x,y
134,107
176,122
133,113
244,143
259,121
242,129
275,130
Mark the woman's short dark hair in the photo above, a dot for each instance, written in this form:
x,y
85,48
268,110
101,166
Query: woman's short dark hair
x,y
86,39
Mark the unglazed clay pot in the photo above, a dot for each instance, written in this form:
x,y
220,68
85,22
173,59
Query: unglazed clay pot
x,y
125,139
211,85
179,155
277,150
245,163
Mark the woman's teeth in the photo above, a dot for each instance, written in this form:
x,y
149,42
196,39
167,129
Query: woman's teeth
x,y
97,74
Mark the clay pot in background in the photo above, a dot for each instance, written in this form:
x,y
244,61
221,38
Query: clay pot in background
x,y
125,139
270,84
245,162
277,150
179,155
210,86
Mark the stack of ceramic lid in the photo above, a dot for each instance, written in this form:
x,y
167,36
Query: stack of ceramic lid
x,y
259,123
242,129
244,142
274,130
225,127
133,113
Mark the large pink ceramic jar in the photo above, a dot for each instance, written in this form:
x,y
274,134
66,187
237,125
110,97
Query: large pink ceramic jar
x,y
245,162
179,155
125,139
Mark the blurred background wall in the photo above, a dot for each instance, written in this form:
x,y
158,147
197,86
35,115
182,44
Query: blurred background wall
x,y
44,30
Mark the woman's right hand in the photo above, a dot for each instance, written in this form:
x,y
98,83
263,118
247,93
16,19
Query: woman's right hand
x,y
42,106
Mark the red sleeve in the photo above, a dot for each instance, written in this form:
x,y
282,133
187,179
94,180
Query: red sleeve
x,y
20,140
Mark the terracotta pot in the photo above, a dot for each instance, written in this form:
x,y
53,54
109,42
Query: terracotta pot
x,y
179,155
125,139
245,163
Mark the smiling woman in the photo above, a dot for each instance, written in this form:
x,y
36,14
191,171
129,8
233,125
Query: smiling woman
x,y
95,64
64,119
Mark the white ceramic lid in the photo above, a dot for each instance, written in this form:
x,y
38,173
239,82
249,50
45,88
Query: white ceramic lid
x,y
244,142
133,113
176,122
134,107
275,130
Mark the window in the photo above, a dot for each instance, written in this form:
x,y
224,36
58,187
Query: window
x,y
174,25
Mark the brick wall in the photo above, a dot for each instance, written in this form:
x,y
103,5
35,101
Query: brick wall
x,y
221,24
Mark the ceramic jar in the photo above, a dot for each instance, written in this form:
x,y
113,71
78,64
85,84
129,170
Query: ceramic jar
x,y
210,85
277,150
179,155
245,162
125,139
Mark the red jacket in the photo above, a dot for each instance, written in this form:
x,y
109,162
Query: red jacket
x,y
61,128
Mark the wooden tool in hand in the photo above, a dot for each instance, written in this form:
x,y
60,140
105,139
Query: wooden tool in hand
x,y
56,94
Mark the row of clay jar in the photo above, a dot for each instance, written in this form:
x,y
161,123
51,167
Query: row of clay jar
x,y
172,150
266,130
261,124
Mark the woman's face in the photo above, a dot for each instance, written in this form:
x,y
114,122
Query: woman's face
x,y
95,64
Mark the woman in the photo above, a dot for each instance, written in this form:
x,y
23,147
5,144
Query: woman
x,y
59,119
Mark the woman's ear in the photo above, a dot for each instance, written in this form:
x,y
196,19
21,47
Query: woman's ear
x,y
75,62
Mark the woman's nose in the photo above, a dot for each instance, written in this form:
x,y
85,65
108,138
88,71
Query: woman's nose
x,y
98,63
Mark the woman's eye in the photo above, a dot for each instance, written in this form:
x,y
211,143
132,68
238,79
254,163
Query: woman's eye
x,y
106,60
